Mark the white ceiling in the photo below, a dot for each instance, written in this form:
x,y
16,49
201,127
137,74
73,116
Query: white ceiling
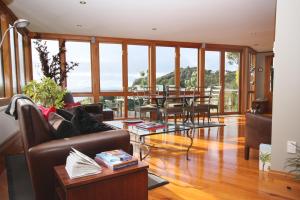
x,y
237,22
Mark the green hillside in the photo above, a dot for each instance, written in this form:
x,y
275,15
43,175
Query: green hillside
x,y
188,78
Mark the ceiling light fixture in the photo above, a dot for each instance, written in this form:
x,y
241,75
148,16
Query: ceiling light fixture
x,y
82,2
79,25
154,29
20,23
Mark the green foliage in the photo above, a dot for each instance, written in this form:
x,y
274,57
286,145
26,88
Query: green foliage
x,y
294,164
46,93
233,57
264,158
212,78
142,81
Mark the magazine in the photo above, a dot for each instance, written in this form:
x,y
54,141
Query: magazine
x,y
79,165
150,125
116,159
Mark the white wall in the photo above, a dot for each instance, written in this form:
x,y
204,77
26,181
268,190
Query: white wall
x,y
260,76
286,95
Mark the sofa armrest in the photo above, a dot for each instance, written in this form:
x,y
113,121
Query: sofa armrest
x,y
258,130
89,144
43,157
95,108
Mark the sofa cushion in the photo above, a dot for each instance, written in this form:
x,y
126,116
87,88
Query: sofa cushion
x,y
86,123
47,111
60,127
65,114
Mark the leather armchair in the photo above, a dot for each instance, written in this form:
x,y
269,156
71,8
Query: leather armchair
x,y
43,153
258,130
94,109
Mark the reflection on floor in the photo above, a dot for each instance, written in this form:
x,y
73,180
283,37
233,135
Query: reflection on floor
x,y
216,169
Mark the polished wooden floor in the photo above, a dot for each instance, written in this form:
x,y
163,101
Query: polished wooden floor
x,y
216,169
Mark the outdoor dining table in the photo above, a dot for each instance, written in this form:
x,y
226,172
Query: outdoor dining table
x,y
160,99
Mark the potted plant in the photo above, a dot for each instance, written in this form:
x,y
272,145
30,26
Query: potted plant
x,y
45,92
293,164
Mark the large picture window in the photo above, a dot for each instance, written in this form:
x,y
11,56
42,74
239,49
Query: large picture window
x,y
110,56
188,67
2,87
231,92
52,47
137,65
165,66
21,60
212,68
79,79
13,59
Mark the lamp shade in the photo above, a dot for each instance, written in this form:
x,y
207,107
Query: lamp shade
x,y
21,23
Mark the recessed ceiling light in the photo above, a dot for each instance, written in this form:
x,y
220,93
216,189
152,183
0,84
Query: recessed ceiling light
x,y
79,25
253,34
82,2
154,29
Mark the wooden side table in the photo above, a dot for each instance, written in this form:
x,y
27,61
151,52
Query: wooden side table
x,y
125,184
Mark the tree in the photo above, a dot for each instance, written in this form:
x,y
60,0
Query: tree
x,y
142,80
233,57
54,68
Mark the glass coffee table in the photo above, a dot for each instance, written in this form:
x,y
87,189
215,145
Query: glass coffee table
x,y
141,133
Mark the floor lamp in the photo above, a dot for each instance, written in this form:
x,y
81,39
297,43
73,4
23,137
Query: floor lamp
x,y
20,23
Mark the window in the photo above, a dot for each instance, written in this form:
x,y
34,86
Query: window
x,y
138,65
212,68
84,100
188,67
110,56
165,66
79,79
231,92
21,60
2,89
13,59
114,103
53,48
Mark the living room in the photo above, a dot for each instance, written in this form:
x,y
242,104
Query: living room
x,y
202,95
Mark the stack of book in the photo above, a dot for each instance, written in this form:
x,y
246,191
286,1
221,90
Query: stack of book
x,y
78,165
116,159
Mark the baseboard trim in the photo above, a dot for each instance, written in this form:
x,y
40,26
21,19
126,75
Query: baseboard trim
x,y
281,174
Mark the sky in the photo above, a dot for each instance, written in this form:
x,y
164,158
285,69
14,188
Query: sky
x,y
110,56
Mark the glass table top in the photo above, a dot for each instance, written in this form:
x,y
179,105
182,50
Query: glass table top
x,y
133,128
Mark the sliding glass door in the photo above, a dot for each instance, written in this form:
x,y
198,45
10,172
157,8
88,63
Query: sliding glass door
x,y
232,82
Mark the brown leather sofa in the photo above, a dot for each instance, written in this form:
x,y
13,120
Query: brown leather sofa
x,y
43,153
258,130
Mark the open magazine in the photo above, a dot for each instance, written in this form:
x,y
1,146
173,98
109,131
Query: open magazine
x,y
79,165
150,125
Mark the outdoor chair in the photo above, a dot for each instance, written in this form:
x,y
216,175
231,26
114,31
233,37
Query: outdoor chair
x,y
142,102
200,104
174,103
215,100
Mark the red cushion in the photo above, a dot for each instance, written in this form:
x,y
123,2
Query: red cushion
x,y
46,111
71,105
